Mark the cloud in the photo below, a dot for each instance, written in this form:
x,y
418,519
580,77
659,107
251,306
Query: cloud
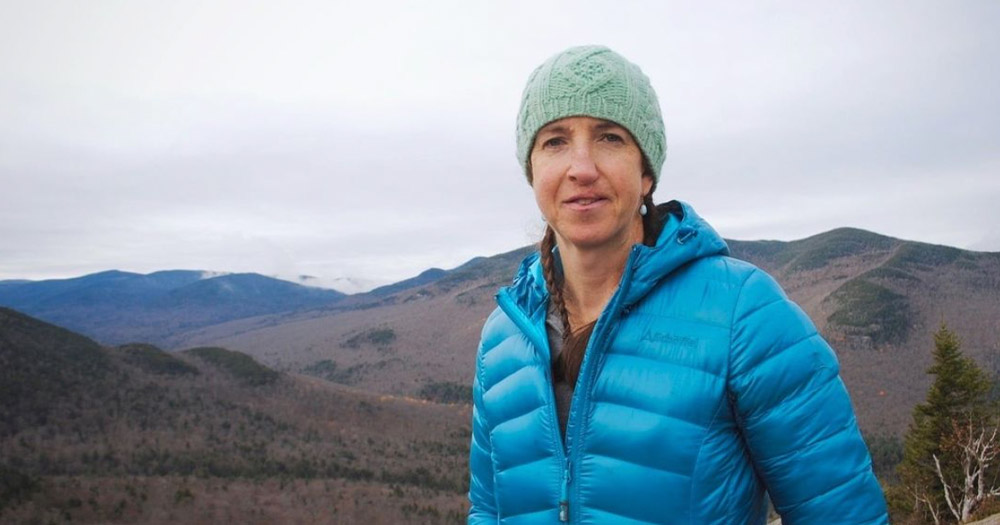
x,y
377,140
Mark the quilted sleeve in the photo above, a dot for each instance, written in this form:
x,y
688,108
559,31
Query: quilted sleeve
x,y
483,508
796,415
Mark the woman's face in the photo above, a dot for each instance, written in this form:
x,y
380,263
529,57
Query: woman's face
x,y
588,182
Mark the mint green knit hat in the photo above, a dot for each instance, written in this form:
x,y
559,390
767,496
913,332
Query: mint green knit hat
x,y
592,81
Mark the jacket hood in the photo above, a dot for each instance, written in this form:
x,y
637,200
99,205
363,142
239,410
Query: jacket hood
x,y
685,237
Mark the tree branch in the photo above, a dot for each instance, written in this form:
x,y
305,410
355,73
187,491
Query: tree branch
x,y
947,493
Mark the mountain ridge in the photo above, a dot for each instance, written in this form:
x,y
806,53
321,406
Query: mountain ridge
x,y
118,307
876,299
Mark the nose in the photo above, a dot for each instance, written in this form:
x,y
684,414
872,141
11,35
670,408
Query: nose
x,y
582,167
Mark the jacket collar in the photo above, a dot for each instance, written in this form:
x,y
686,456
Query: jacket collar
x,y
685,237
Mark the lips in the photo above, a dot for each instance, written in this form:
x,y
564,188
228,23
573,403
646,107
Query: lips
x,y
585,202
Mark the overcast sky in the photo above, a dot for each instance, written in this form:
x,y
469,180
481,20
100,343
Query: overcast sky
x,y
376,139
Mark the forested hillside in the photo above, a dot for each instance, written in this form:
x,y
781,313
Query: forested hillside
x,y
258,405
876,299
133,433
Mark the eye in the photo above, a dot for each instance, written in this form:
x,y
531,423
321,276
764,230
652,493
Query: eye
x,y
553,142
613,137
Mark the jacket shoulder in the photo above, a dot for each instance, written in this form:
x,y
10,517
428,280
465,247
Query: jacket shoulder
x,y
496,329
706,290
723,268
749,286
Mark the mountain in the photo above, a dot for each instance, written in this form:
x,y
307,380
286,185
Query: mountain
x,y
323,413
426,276
123,288
134,434
117,307
875,298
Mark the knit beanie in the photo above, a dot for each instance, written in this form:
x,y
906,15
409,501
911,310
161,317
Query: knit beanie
x,y
592,81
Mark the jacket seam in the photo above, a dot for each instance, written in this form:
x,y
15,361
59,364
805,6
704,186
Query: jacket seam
x,y
643,465
698,456
730,394
480,375
852,479
729,397
655,413
682,318
790,396
758,307
670,363
529,411
632,519
732,324
815,442
788,347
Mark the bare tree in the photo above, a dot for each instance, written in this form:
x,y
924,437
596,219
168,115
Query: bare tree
x,y
975,444
922,498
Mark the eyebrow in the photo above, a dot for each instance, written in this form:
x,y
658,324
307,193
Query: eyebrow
x,y
607,124
553,129
603,125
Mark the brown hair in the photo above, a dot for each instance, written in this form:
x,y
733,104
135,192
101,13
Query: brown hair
x,y
567,366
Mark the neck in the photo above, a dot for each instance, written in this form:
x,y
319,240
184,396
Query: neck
x,y
591,275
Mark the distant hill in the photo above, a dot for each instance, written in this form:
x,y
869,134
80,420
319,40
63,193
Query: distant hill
x,y
117,307
877,300
43,365
331,401
426,276
873,290
133,434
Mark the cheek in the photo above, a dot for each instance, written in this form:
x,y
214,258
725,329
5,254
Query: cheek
x,y
544,192
544,185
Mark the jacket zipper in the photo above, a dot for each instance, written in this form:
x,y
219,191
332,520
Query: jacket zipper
x,y
597,342
524,324
564,497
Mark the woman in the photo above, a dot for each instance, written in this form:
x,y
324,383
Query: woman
x,y
633,372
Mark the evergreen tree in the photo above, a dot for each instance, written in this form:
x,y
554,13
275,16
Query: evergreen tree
x,y
959,393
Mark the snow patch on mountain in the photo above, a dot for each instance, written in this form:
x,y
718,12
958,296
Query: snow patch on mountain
x,y
347,285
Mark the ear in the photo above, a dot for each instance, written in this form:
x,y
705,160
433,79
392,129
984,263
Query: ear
x,y
647,185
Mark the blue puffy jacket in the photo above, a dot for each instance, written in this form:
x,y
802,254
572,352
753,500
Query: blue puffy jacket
x,y
702,387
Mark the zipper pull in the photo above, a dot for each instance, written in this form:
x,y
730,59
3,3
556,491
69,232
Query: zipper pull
x,y
564,499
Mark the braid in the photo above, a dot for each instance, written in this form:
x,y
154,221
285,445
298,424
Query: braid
x,y
552,282
574,345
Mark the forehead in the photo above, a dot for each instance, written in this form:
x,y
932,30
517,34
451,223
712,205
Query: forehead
x,y
570,123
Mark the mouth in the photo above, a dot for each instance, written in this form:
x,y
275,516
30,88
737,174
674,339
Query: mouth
x,y
584,202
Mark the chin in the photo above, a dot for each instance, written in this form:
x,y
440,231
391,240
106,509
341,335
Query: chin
x,y
589,239
599,234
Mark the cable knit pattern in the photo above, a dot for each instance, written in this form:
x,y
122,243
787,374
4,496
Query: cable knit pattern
x,y
592,81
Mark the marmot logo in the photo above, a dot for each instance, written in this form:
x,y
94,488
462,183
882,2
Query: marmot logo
x,y
665,338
